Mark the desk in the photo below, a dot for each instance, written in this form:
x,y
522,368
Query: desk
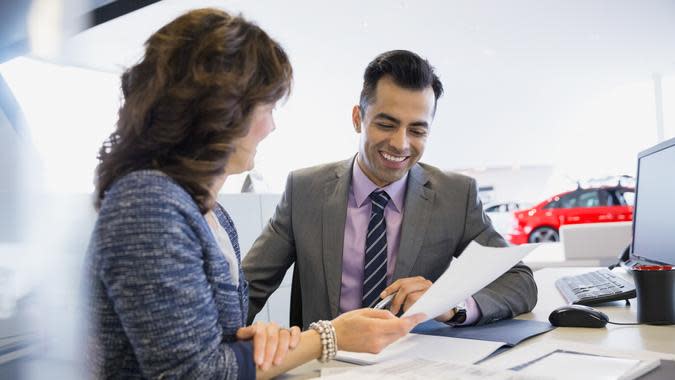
x,y
652,338
553,255
642,337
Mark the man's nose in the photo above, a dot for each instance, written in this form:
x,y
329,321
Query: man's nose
x,y
399,140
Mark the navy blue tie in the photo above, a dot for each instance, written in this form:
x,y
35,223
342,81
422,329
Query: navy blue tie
x,y
375,263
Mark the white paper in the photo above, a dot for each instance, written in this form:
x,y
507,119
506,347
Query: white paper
x,y
475,268
538,349
334,371
576,366
422,369
440,348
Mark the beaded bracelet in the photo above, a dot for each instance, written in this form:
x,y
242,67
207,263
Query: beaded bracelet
x,y
328,339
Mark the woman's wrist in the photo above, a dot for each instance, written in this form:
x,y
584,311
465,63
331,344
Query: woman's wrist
x,y
337,325
327,338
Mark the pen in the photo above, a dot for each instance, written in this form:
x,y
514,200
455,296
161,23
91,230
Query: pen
x,y
385,303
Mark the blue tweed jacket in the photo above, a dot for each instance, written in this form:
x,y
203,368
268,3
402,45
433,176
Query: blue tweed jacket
x,y
162,303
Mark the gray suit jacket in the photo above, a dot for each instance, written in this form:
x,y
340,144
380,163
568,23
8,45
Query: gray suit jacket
x,y
442,215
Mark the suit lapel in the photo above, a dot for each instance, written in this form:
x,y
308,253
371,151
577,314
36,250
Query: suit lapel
x,y
336,195
418,202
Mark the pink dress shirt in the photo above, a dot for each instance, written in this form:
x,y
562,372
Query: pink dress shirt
x,y
356,227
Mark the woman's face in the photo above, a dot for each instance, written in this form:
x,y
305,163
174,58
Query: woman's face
x,y
262,124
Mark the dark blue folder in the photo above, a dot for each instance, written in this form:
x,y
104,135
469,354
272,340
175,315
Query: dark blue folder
x,y
509,331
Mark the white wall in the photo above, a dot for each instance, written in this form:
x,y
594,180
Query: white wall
x,y
529,184
9,181
250,213
528,82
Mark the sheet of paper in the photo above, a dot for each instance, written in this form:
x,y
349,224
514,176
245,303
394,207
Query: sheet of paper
x,y
582,366
334,371
475,268
422,369
538,349
428,347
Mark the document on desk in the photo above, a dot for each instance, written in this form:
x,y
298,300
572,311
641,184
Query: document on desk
x,y
428,347
575,365
475,268
422,369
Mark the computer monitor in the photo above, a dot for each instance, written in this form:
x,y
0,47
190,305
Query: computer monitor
x,y
654,210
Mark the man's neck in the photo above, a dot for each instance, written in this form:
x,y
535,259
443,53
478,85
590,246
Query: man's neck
x,y
367,173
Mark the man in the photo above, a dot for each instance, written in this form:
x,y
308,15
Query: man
x,y
354,226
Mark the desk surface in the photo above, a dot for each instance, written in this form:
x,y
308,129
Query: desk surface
x,y
549,255
642,337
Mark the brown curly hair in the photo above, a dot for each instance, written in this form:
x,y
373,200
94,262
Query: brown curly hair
x,y
189,98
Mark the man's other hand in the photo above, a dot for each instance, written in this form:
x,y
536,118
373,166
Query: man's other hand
x,y
408,290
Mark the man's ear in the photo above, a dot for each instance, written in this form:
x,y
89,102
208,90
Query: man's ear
x,y
356,118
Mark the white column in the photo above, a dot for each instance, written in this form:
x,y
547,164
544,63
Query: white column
x,y
658,100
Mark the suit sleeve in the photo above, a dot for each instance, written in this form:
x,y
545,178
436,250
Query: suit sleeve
x,y
271,254
514,292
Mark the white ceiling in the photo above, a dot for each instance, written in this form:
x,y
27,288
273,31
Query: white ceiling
x,y
634,37
519,75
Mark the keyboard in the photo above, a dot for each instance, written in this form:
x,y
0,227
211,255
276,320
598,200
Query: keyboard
x,y
595,287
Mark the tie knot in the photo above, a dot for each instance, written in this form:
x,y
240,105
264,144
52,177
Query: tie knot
x,y
380,198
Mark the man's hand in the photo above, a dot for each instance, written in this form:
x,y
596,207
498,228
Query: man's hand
x,y
408,290
271,343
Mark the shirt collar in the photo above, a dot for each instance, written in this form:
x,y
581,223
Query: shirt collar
x,y
362,186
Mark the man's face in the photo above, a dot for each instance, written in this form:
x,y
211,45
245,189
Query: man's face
x,y
393,131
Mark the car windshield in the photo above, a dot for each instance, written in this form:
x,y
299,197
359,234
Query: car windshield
x,y
569,200
627,197
594,198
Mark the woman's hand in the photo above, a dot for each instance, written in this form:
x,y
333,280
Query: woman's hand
x,y
271,343
371,330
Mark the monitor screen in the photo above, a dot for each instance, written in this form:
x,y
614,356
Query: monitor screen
x,y
654,213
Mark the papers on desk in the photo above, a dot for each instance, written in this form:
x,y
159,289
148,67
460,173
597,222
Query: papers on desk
x,y
580,360
556,365
539,349
421,369
475,268
437,348
575,365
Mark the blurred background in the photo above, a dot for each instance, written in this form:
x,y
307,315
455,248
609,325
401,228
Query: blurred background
x,y
541,97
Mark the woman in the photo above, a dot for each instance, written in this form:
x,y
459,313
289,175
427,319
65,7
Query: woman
x,y
168,298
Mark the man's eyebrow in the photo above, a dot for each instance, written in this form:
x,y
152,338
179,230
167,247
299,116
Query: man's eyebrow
x,y
422,124
386,116
383,115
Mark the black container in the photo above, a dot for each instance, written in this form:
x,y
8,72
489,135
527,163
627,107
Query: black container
x,y
655,286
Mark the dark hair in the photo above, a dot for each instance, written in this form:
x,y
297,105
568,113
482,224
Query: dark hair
x,y
407,69
189,97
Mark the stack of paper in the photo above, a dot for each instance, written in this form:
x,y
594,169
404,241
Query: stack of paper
x,y
575,365
557,365
421,369
427,347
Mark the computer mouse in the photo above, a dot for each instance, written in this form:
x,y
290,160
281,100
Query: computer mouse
x,y
577,316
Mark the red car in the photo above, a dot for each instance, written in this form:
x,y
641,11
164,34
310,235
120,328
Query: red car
x,y
594,205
